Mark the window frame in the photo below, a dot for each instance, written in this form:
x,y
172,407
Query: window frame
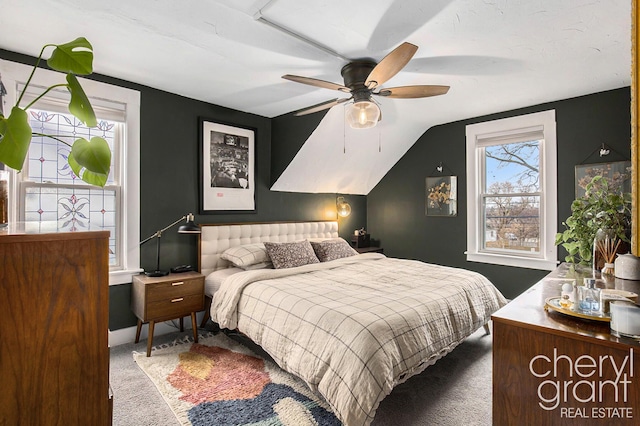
x,y
127,162
506,128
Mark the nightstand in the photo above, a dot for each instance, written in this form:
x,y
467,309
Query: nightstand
x,y
165,298
369,249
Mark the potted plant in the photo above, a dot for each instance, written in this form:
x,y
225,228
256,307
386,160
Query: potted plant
x,y
600,209
89,160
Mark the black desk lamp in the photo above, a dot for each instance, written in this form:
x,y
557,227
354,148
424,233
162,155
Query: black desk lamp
x,y
188,228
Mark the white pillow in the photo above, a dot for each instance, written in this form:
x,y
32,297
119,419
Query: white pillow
x,y
214,280
246,255
261,265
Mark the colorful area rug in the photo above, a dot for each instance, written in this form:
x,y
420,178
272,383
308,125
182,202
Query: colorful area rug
x,y
221,382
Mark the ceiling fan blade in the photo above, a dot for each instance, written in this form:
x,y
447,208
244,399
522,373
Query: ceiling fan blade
x,y
408,92
320,107
390,65
317,83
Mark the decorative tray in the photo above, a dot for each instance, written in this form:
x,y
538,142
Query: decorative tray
x,y
553,303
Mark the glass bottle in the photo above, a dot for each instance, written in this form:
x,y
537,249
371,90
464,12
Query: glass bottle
x,y
589,296
4,196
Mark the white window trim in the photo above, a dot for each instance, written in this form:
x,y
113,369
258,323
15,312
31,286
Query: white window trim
x,y
13,73
548,259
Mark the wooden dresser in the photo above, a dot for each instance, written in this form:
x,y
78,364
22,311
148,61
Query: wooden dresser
x,y
54,350
553,369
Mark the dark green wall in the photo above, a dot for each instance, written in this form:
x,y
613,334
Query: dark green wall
x,y
288,135
394,210
169,181
395,207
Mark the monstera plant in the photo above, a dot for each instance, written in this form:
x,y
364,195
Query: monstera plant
x,y
89,160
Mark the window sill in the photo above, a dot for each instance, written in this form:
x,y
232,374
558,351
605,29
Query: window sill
x,y
123,276
518,262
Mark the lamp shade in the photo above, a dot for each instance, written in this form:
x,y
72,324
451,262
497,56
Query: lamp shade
x,y
190,227
343,208
362,114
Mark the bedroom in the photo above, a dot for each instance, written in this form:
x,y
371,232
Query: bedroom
x,y
169,175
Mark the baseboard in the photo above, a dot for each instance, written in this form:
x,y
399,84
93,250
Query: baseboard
x,y
128,335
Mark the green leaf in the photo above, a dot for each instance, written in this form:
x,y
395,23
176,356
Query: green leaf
x,y
15,134
79,104
91,160
572,247
558,240
74,57
585,253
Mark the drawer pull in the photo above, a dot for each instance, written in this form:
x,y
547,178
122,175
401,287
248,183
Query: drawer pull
x,y
179,299
178,283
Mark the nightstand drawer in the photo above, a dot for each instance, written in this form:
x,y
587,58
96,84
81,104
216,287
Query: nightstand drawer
x,y
174,289
175,307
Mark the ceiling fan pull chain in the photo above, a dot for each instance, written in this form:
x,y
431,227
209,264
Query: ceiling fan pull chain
x,y
380,141
344,131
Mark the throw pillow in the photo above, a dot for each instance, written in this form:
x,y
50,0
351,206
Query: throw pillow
x,y
290,255
332,249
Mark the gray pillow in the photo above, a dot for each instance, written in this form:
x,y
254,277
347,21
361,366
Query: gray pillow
x,y
336,248
290,255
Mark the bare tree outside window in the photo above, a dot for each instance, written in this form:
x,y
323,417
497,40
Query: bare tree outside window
x,y
512,197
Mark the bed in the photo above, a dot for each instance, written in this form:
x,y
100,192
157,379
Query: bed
x,y
352,326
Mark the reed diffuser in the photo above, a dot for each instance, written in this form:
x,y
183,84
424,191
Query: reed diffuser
x,y
607,247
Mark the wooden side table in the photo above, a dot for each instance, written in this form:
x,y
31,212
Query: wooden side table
x,y
165,298
369,249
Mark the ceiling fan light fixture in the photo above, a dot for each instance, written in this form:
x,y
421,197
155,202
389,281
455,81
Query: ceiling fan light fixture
x,y
362,114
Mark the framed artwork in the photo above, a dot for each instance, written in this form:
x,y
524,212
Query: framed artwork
x,y
227,168
441,196
617,174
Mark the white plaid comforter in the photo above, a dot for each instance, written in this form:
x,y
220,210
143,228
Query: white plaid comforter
x,y
356,327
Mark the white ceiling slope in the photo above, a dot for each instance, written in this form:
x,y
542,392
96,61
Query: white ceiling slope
x,y
496,55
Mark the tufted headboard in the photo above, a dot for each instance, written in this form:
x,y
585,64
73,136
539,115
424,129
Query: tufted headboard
x,y
216,238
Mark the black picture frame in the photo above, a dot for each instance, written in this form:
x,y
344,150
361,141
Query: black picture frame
x,y
227,158
441,196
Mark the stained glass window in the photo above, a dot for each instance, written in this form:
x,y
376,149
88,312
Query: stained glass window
x,y
52,192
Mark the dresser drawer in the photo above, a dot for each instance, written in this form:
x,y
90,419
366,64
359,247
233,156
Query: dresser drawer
x,y
175,307
174,289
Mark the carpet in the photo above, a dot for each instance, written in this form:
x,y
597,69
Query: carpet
x,y
219,381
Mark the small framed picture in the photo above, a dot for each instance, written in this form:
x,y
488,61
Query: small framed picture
x,y
617,175
227,168
441,196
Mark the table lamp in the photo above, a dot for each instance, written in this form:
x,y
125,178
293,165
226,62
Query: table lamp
x,y
188,228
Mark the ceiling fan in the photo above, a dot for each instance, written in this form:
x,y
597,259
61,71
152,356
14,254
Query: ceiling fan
x,y
362,77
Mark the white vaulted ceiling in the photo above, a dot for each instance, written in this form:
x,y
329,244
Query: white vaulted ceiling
x,y
496,55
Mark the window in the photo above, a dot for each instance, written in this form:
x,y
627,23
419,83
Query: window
x,y
47,191
511,191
